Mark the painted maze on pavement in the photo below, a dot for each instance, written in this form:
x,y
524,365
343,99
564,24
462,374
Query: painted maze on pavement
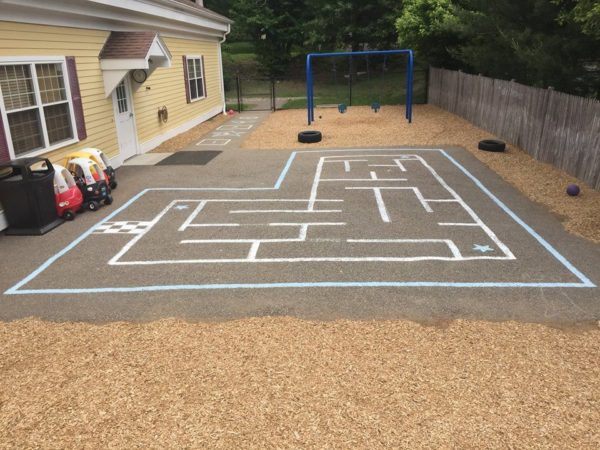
x,y
378,213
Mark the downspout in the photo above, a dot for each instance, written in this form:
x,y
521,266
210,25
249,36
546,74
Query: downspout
x,y
221,68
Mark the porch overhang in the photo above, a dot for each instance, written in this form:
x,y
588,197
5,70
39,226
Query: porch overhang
x,y
131,50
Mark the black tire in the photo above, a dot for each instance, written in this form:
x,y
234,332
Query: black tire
x,y
492,145
108,200
310,136
113,184
69,215
93,205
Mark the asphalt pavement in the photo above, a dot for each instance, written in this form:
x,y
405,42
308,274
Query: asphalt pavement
x,y
425,234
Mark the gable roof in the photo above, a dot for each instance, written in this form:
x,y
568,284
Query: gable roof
x,y
130,50
127,45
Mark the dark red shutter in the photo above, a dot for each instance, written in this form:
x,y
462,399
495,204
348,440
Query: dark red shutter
x,y
204,77
4,153
186,79
76,98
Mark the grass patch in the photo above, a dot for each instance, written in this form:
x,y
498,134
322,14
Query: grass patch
x,y
238,47
242,57
245,106
387,91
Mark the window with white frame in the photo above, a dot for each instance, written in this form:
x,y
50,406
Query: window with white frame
x,y
37,107
195,68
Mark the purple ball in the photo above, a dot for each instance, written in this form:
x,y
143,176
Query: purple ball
x,y
573,190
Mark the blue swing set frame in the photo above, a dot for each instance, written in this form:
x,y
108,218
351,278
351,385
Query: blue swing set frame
x,y
310,101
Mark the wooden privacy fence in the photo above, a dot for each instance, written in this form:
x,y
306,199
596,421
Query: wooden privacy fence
x,y
553,127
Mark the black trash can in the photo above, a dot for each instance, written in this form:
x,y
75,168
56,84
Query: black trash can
x,y
27,196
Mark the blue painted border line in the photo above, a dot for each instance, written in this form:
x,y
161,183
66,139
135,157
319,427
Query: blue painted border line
x,y
285,170
332,284
585,282
52,259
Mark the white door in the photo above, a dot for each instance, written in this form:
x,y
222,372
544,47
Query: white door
x,y
125,119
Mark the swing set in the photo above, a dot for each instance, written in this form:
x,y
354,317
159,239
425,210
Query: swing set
x,y
376,104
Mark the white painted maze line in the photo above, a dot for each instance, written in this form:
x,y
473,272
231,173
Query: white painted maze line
x,y
449,242
252,200
400,165
378,190
131,243
338,259
192,216
451,224
470,211
315,186
253,250
256,243
21,288
294,224
363,179
347,162
456,198
381,205
208,225
294,211
312,201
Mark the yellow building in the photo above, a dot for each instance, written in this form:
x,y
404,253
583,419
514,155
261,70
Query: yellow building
x,y
96,73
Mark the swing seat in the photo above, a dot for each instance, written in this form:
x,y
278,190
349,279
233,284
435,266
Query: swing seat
x,y
342,108
375,106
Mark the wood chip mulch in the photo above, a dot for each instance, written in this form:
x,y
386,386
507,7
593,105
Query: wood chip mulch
x,y
193,135
433,126
283,382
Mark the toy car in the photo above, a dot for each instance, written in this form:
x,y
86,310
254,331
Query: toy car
x,y
91,181
66,193
99,158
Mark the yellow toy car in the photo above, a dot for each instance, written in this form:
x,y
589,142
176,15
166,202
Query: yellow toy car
x,y
100,159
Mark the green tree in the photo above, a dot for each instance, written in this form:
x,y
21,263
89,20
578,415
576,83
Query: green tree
x,y
536,42
218,6
275,26
431,28
585,13
352,24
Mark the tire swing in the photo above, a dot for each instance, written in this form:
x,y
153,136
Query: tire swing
x,y
310,136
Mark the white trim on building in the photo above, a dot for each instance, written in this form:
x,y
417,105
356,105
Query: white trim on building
x,y
169,17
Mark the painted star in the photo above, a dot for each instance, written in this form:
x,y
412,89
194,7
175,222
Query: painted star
x,y
180,207
483,248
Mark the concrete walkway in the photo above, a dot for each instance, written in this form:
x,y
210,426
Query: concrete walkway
x,y
228,136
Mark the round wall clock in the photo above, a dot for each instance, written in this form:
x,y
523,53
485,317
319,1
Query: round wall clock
x,y
139,75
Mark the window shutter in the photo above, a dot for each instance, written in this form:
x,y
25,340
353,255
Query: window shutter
x,y
4,153
76,98
204,77
186,79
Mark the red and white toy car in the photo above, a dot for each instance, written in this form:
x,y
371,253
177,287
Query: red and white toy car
x,y
66,193
92,183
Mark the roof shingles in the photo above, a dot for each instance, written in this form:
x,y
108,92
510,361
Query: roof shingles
x,y
127,45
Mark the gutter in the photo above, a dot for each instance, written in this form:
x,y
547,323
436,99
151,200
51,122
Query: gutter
x,y
203,12
221,42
